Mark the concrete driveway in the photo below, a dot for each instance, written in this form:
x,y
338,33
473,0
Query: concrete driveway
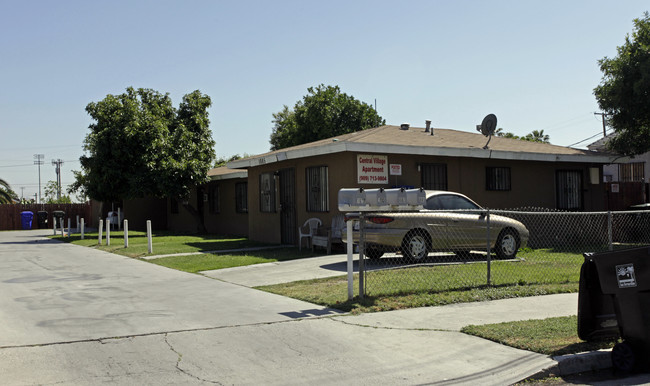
x,y
74,315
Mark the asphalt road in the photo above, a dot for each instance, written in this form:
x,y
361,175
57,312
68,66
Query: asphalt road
x,y
77,316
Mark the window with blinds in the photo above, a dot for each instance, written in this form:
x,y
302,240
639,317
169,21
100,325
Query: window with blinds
x,y
434,176
631,172
241,197
267,192
213,199
497,178
317,189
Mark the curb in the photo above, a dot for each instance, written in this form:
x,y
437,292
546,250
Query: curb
x,y
582,362
576,363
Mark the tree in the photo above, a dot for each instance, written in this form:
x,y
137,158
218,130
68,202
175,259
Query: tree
x,y
624,91
534,136
7,195
323,113
537,136
222,161
140,145
51,194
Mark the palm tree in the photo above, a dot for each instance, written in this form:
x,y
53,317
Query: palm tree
x,y
538,136
7,196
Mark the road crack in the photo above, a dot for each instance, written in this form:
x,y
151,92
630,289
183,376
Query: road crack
x,y
178,364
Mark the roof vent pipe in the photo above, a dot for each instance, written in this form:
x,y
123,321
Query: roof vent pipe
x,y
405,126
428,127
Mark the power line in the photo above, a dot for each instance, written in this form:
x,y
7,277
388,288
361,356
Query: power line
x,y
586,139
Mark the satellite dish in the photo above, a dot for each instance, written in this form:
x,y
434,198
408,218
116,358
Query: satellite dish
x,y
487,127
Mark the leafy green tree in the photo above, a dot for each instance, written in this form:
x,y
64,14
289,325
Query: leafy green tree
x,y
51,193
500,133
222,161
534,136
537,136
323,113
624,91
140,145
7,195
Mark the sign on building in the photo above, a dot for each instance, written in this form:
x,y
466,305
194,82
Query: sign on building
x,y
372,169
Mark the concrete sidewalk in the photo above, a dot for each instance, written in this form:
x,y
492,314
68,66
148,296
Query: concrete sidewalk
x,y
449,318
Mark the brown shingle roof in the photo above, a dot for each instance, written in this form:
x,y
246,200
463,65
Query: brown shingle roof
x,y
391,139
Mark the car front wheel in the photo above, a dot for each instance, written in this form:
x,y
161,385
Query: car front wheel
x,y
507,244
415,246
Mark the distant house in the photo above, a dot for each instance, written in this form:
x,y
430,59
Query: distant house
x,y
288,186
626,182
222,204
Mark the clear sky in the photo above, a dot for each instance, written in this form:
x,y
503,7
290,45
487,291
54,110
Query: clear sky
x,y
532,63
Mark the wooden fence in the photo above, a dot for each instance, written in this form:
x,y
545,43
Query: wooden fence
x,y
11,219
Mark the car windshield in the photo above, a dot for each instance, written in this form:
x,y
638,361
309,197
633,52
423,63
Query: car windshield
x,y
449,202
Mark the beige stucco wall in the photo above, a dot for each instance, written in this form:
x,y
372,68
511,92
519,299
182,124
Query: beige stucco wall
x,y
226,222
533,185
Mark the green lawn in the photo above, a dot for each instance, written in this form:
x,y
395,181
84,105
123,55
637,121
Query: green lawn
x,y
552,336
210,261
163,243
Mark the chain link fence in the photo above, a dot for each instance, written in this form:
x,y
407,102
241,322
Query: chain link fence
x,y
407,252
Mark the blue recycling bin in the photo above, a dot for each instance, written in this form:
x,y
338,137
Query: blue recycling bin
x,y
26,219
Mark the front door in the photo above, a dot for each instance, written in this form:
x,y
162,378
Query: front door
x,y
288,226
569,189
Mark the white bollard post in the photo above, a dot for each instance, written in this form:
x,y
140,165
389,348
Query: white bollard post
x,y
108,231
99,236
78,224
54,224
350,262
126,233
69,229
149,241
82,228
62,224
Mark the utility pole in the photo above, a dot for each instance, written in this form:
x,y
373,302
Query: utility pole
x,y
58,163
38,160
22,193
603,115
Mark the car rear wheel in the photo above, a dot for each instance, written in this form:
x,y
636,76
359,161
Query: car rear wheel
x,y
507,244
415,246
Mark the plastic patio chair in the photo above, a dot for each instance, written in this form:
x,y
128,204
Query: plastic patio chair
x,y
309,228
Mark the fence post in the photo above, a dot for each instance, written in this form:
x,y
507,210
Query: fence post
x,y
610,245
126,233
488,249
362,252
108,231
149,242
99,236
350,263
82,230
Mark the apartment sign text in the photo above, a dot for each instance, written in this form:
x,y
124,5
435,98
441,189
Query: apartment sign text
x,y
372,169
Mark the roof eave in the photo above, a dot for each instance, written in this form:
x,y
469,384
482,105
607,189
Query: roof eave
x,y
337,147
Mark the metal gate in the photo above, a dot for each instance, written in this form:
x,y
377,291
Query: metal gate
x,y
288,206
569,189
